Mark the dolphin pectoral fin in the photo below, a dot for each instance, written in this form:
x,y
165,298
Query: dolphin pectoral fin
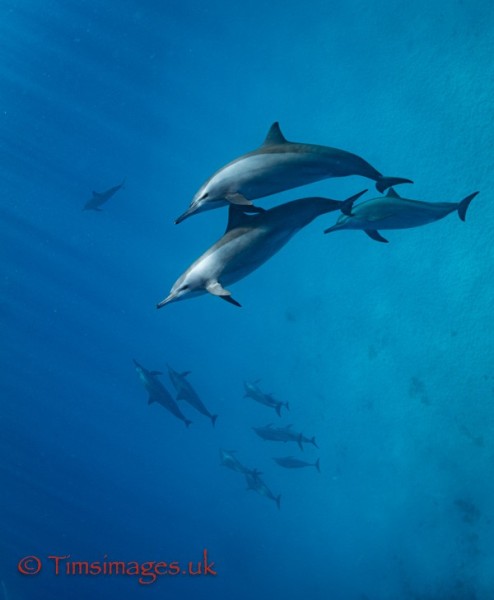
x,y
151,399
383,183
231,301
347,205
96,194
464,204
156,373
98,209
238,199
375,235
185,373
215,288
274,136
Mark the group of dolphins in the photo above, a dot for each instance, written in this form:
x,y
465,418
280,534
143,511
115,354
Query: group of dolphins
x,y
157,393
253,234
271,433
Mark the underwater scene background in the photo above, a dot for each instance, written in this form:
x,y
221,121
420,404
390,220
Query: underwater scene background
x,y
383,351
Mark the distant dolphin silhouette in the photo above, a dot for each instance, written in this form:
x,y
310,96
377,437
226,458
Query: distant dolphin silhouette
x,y
158,393
186,392
276,166
255,483
249,241
394,212
295,463
284,434
252,390
100,198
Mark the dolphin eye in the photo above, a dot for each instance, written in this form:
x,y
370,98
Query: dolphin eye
x,y
184,288
204,196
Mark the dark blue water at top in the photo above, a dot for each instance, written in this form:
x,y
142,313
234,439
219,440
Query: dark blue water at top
x,y
384,352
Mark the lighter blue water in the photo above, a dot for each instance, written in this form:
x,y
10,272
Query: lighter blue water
x,y
384,352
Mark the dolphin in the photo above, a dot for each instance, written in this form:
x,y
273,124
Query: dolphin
x,y
158,393
253,391
248,242
186,392
394,212
229,460
100,198
276,166
283,434
255,483
295,463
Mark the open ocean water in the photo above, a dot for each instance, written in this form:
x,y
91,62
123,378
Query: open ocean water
x,y
383,351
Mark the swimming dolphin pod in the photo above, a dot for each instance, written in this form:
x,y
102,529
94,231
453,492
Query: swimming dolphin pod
x,y
276,166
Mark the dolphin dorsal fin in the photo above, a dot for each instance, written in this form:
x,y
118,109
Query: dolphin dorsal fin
x,y
236,217
275,137
392,194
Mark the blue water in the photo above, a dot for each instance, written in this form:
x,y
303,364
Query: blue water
x,y
384,352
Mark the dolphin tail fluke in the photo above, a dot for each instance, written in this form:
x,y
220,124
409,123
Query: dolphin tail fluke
x,y
187,423
278,501
464,204
383,183
347,205
313,441
213,419
316,464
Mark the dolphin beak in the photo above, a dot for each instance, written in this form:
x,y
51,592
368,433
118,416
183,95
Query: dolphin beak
x,y
190,211
170,298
